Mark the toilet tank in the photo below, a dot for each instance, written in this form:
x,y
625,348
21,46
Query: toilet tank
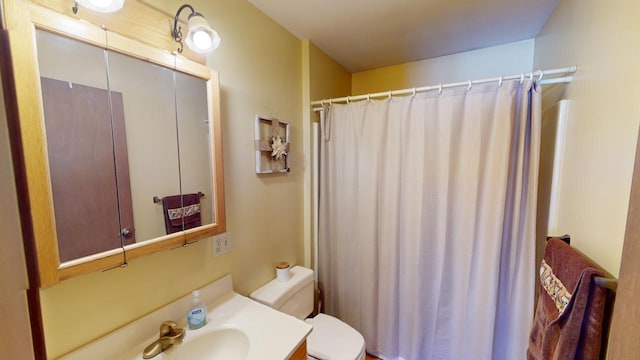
x,y
293,297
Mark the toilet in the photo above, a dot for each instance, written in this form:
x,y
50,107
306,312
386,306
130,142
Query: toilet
x,y
331,338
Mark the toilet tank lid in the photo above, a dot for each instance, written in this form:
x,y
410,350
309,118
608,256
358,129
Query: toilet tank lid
x,y
275,293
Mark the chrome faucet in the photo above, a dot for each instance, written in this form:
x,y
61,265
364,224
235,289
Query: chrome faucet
x,y
170,334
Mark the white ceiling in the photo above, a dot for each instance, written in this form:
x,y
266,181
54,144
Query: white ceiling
x,y
368,34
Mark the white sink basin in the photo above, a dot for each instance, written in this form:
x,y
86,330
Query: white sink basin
x,y
220,344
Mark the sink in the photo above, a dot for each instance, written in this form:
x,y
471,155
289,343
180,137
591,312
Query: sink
x,y
212,345
237,328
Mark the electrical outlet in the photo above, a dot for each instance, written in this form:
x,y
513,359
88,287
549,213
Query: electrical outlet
x,y
221,244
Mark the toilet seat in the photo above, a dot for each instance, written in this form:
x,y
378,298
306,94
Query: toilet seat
x,y
332,339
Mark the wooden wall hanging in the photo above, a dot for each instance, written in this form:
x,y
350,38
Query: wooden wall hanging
x,y
272,145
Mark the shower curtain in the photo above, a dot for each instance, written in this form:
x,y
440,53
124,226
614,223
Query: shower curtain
x,y
427,221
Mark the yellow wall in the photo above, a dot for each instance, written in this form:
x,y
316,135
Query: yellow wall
x,y
601,39
260,73
327,78
493,61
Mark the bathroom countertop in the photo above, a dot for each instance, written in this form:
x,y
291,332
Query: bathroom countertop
x,y
271,334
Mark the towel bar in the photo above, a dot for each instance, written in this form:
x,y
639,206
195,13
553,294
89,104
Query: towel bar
x,y
566,238
608,283
158,200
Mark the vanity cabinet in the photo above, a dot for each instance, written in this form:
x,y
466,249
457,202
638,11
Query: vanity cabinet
x,y
300,353
109,125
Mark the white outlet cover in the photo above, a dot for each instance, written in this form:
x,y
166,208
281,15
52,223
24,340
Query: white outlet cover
x,y
221,244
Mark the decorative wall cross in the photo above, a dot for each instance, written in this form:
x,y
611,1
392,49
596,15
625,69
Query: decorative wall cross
x,y
271,145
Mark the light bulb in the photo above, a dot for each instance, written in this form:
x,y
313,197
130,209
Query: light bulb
x,y
101,3
202,39
104,6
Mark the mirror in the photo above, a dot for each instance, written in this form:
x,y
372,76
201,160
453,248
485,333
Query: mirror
x,y
194,143
130,146
80,144
152,137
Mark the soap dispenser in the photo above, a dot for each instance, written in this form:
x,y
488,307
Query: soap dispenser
x,y
197,316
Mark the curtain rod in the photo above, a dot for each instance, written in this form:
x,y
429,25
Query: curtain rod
x,y
539,73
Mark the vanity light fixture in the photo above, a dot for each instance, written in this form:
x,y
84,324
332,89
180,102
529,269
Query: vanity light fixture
x,y
200,38
103,6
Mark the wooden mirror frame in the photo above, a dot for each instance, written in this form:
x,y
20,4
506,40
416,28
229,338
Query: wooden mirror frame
x,y
22,18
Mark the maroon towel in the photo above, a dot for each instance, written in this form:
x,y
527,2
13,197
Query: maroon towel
x,y
176,211
568,320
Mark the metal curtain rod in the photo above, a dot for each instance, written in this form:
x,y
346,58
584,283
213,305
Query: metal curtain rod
x,y
538,73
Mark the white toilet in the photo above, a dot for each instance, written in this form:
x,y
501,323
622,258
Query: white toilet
x,y
330,339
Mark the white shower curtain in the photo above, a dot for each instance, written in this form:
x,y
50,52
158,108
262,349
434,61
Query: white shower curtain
x,y
427,221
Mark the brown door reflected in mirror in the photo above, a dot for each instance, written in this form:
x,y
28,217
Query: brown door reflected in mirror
x,y
92,206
